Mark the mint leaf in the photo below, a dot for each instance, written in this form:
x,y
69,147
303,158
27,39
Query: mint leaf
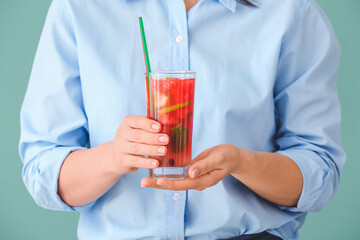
x,y
179,139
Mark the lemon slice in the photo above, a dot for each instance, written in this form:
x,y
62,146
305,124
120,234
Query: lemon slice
x,y
172,108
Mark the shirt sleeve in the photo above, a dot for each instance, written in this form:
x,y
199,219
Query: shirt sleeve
x,y
307,107
53,120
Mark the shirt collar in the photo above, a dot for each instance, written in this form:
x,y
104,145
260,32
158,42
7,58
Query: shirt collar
x,y
230,4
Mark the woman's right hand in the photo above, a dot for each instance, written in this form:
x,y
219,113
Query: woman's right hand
x,y
89,173
136,137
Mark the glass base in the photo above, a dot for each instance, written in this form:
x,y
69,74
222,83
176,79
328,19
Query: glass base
x,y
173,173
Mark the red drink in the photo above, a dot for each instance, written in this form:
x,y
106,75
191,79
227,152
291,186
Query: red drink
x,y
172,99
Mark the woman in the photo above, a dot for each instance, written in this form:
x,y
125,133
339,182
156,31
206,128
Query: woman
x,y
266,124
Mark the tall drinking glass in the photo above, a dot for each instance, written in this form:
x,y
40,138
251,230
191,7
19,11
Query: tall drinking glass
x,y
170,101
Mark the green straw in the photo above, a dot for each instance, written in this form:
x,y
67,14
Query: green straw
x,y
146,54
147,62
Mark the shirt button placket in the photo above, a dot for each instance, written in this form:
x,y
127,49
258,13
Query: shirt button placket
x,y
175,215
178,60
179,53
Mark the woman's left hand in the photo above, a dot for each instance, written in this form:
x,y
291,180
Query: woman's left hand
x,y
207,169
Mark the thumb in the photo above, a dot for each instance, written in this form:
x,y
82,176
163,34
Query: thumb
x,y
202,164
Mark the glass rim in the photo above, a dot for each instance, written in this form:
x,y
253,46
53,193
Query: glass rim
x,y
171,73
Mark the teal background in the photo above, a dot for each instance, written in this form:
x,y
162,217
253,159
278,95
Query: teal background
x,y
21,22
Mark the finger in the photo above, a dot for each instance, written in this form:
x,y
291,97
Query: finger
x,y
150,182
202,182
141,122
131,161
140,136
202,166
144,149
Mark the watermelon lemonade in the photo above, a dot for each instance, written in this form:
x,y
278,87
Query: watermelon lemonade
x,y
171,102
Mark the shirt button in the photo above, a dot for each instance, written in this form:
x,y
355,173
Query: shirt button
x,y
179,39
176,196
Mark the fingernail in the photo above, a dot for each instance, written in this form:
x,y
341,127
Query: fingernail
x,y
153,163
155,126
142,185
195,172
163,139
160,183
161,150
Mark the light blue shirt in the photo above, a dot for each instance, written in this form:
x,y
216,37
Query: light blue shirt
x,y
266,81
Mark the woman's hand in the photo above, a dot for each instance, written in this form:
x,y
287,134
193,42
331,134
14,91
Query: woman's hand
x,y
89,173
136,137
273,176
207,169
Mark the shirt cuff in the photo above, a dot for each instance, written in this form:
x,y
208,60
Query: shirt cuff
x,y
313,169
45,190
